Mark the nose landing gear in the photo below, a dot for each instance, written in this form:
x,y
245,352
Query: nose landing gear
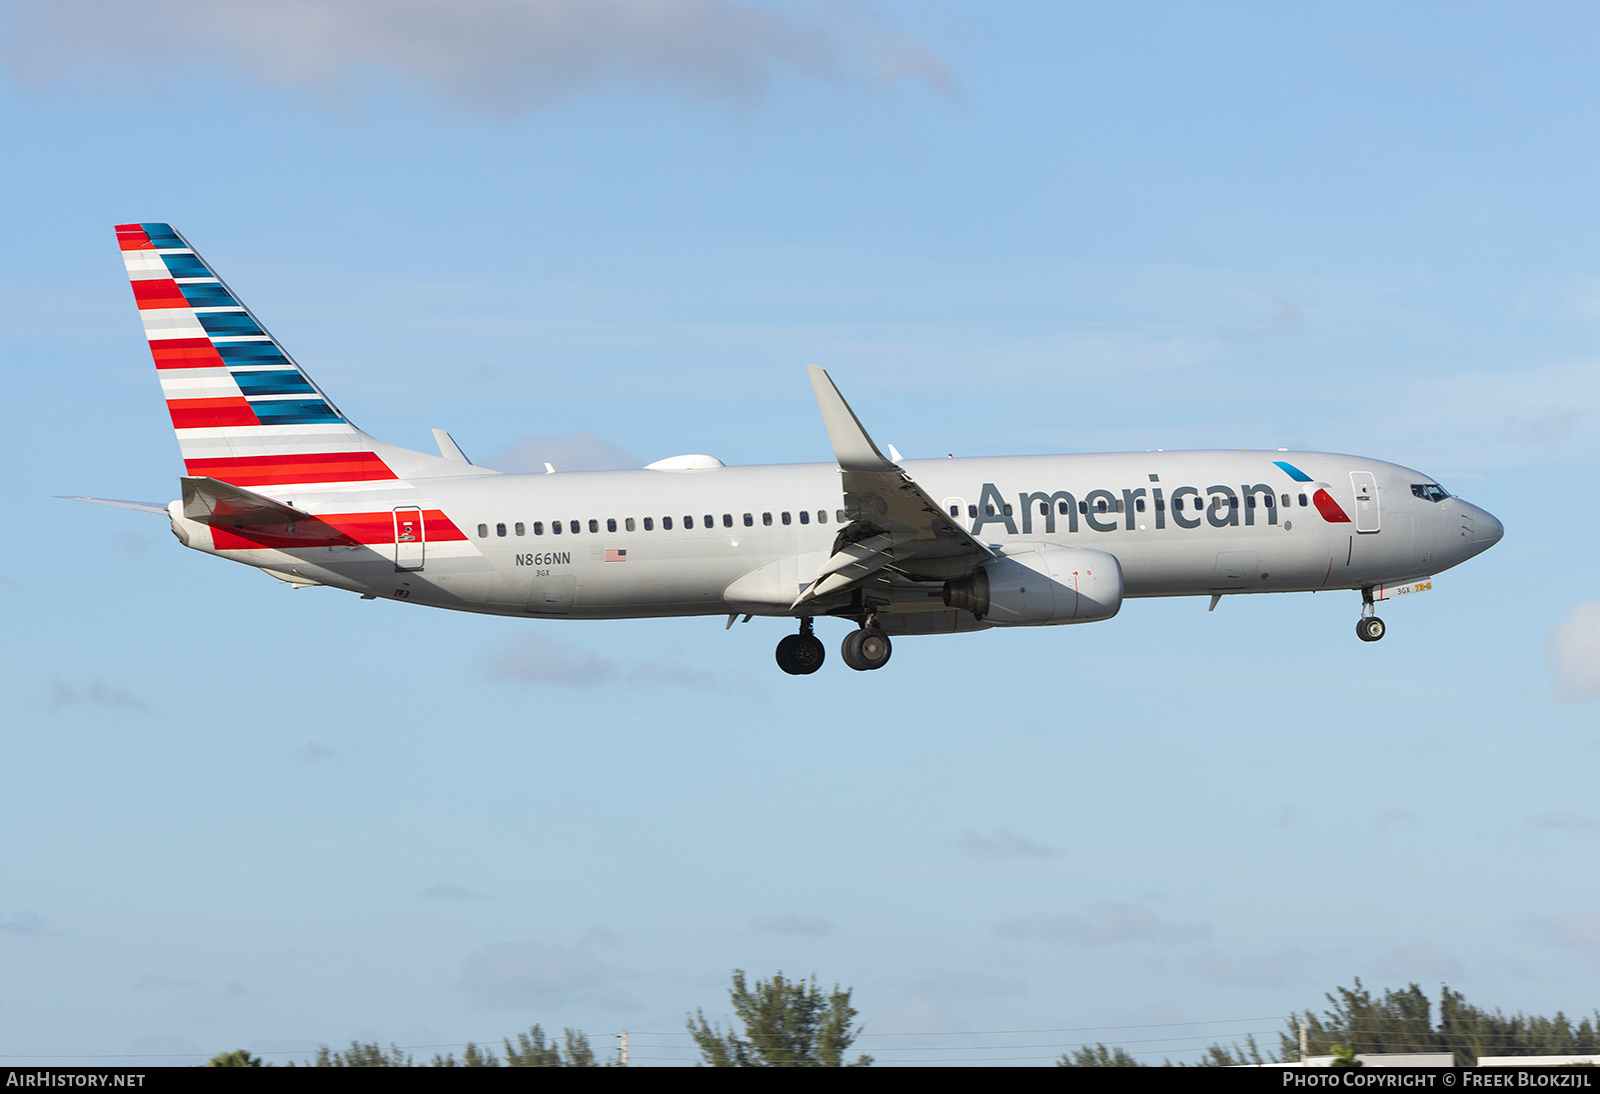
x,y
1369,628
801,654
866,649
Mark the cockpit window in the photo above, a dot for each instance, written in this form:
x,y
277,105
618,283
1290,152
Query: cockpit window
x,y
1429,491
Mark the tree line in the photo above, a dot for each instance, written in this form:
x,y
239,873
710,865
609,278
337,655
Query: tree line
x,y
1399,1021
782,1023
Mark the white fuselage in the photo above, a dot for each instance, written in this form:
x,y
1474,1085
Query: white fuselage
x,y
733,539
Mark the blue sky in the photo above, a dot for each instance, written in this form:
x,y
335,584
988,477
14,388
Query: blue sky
x,y
241,816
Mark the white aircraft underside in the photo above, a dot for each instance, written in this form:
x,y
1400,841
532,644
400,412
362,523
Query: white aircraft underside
x,y
279,479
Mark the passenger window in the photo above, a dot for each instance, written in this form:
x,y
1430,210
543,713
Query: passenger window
x,y
1121,506
972,511
1008,510
955,510
727,520
822,516
1250,501
688,521
988,510
555,527
710,521
1083,508
628,524
1044,509
1233,503
839,514
1268,499
520,529
1063,508
594,526
786,516
805,517
649,524
573,527
538,527
749,520
666,524
1286,501
1302,501
611,524
1138,503
1100,506
499,529
766,519
1161,505
483,531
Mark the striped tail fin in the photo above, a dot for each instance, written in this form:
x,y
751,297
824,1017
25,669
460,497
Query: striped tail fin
x,y
244,411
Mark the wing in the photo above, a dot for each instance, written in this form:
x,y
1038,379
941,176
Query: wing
x,y
893,523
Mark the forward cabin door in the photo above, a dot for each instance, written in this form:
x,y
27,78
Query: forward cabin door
x,y
1364,485
410,538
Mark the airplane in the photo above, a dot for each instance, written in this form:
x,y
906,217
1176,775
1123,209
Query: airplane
x,y
278,478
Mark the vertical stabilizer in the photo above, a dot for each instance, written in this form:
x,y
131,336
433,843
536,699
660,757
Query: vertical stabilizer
x,y
244,411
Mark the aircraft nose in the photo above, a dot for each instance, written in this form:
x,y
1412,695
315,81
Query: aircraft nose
x,y
1486,529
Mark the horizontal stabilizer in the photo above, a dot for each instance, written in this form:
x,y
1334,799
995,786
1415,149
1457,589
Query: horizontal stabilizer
x,y
141,506
211,501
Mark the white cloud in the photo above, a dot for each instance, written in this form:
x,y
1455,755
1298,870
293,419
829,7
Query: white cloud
x,y
499,56
1573,650
96,693
1564,820
1106,923
526,974
813,925
1001,845
532,659
580,451
535,660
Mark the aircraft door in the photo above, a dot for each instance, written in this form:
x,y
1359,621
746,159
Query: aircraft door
x,y
1364,485
410,538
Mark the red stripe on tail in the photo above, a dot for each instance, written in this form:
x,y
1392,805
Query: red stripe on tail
x,y
203,413
310,467
185,353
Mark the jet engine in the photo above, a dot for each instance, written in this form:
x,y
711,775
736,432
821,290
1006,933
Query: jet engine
x,y
1041,587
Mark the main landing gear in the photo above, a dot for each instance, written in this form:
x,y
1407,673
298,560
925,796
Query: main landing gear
x,y
866,649
801,654
1369,628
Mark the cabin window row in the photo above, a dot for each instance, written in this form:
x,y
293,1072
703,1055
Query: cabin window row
x,y
629,524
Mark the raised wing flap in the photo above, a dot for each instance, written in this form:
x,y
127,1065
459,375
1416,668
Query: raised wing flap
x,y
211,501
893,523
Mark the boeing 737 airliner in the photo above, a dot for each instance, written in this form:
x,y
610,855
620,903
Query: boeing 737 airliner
x,y
279,479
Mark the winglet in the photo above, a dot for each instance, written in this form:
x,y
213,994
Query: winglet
x,y
851,445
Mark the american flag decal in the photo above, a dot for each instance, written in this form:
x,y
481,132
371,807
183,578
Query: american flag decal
x,y
613,555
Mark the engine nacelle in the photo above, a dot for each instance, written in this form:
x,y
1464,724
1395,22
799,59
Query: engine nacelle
x,y
1041,587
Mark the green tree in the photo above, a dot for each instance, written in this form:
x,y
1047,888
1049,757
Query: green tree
x,y
1098,1056
237,1058
787,1023
471,1056
531,1050
361,1055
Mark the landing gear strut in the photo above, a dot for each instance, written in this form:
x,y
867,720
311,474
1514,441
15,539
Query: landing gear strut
x,y
1369,628
866,649
801,654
